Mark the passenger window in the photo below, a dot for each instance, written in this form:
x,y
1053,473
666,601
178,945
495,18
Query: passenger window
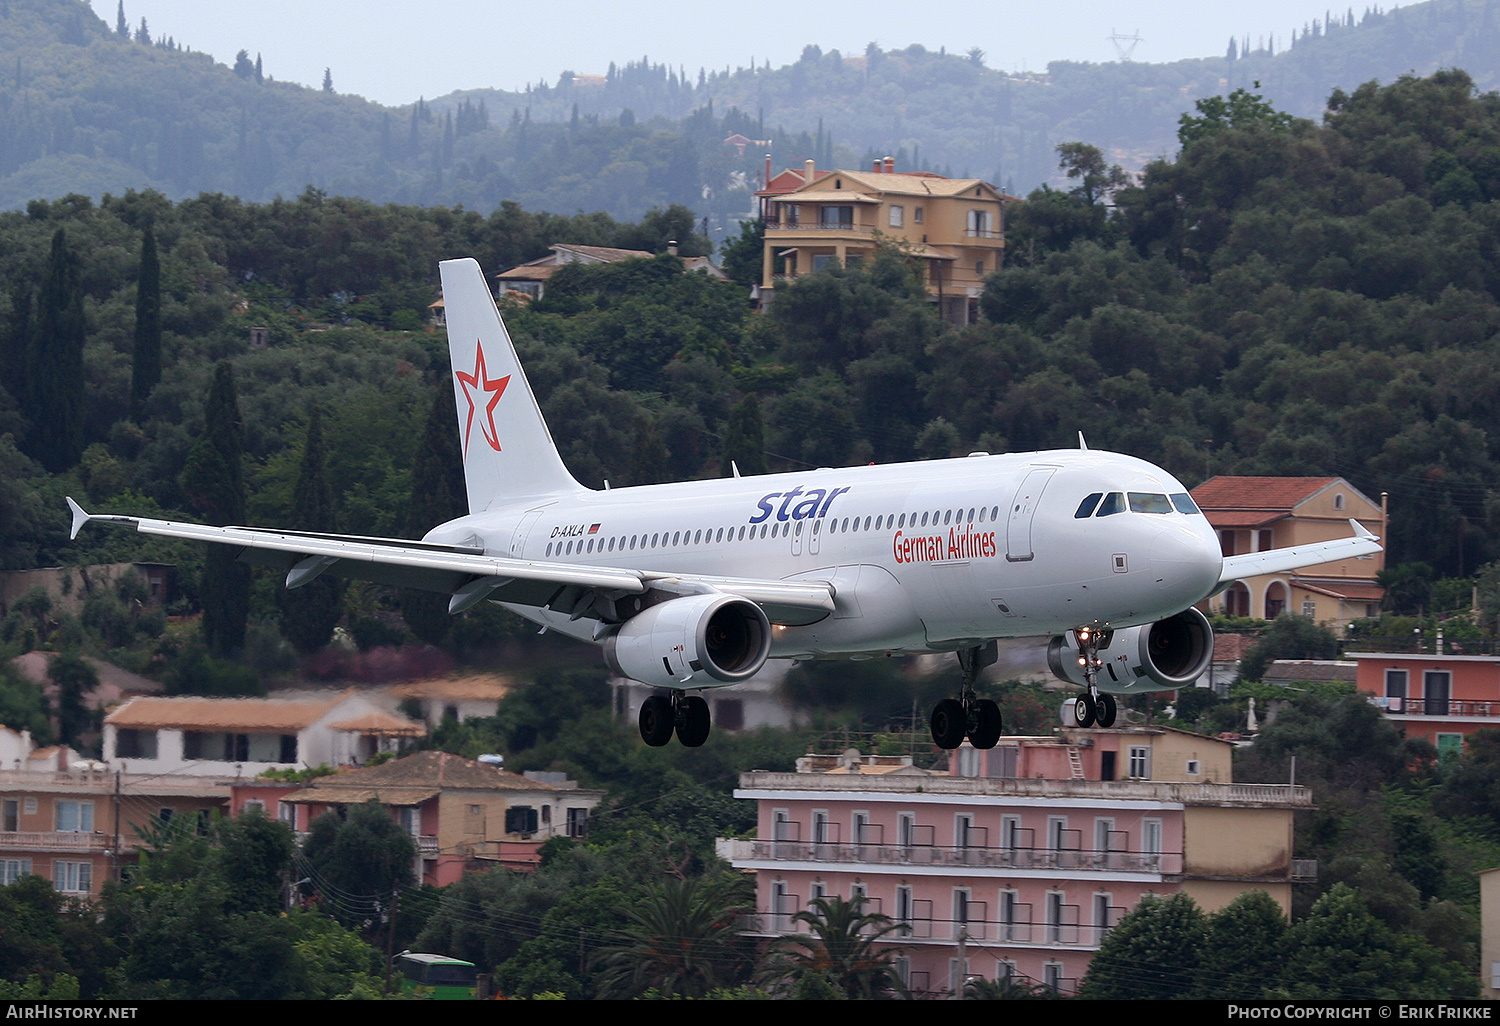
x,y
1184,503
1113,503
1086,507
1149,502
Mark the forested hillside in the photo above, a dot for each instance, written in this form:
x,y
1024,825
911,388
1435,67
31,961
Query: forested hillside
x,y
1282,298
86,109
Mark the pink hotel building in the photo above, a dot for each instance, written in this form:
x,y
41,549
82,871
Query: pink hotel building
x,y
1017,861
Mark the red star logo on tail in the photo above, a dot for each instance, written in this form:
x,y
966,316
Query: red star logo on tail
x,y
475,385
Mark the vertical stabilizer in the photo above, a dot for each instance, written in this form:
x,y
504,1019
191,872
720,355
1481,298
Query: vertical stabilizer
x,y
508,452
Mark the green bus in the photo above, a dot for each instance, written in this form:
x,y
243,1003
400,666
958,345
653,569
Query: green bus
x,y
436,976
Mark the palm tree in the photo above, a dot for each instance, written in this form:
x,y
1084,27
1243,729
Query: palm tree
x,y
1011,989
681,940
838,956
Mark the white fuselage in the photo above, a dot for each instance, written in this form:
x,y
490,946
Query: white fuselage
x,y
922,556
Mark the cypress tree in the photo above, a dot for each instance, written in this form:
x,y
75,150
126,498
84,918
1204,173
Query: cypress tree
x,y
214,483
53,392
744,438
145,369
309,613
438,495
14,342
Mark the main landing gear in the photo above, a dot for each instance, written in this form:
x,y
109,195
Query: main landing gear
x,y
686,715
978,719
1092,707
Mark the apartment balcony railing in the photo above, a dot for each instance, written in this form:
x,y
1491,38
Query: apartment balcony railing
x,y
427,845
1165,863
52,840
818,226
983,233
1461,707
1025,934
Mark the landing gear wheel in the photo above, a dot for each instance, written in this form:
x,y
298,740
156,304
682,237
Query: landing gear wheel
x,y
657,720
1106,710
1083,710
693,721
948,723
984,724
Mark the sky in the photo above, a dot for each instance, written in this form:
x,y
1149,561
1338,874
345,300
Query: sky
x,y
394,52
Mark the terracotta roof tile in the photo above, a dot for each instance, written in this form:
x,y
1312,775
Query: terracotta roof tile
x,y
380,723
252,714
431,769
486,687
1268,493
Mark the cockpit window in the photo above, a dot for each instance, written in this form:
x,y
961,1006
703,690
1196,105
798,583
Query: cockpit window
x,y
1086,507
1149,502
1184,503
1113,503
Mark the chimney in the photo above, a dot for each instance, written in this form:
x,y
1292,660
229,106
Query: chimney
x,y
672,247
767,183
808,170
876,169
890,165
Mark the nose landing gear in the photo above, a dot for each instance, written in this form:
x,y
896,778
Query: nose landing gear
x,y
978,719
1092,707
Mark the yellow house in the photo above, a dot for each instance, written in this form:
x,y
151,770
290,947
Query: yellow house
x,y
1253,514
954,226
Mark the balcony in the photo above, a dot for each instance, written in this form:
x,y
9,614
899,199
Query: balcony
x,y
52,840
792,786
1458,708
819,226
1162,863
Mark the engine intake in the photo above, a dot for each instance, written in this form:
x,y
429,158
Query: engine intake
x,y
1160,656
693,641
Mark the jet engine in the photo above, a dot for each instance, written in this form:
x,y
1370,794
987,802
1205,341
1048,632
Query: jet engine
x,y
692,641
1160,656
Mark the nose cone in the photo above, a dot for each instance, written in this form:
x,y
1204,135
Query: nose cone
x,y
1186,561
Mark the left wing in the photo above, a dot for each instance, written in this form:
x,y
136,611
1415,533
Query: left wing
x,y
1274,561
468,575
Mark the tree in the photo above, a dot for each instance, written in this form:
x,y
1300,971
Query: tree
x,y
1153,952
122,27
146,365
1242,111
839,952
742,257
310,612
681,939
438,494
75,680
1242,949
744,439
242,66
1340,951
53,395
1097,180
214,482
358,861
328,80
1289,637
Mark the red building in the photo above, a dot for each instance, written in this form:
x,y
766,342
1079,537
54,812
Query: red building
x,y
1438,697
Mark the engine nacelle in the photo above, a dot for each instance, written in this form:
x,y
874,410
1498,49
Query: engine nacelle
x,y
693,641
1160,656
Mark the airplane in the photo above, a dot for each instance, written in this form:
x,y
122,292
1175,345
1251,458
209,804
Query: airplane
x,y
695,585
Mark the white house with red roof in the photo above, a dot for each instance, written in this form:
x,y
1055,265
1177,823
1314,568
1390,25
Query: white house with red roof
x,y
244,737
1253,514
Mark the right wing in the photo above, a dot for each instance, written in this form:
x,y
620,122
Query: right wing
x,y
467,574
1275,561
